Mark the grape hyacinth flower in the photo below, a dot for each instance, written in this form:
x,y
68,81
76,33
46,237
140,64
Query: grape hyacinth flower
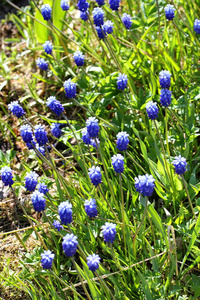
x,y
180,164
7,176
42,188
98,16
70,88
109,232
16,109
127,20
165,79
64,5
169,12
108,27
122,140
92,127
65,212
38,201
95,175
41,150
165,97
91,208
42,64
46,11
79,58
144,184
40,134
197,26
122,81
152,110
55,130
56,224
100,32
70,244
83,5
55,105
118,163
84,15
47,259
31,181
94,144
26,133
100,2
114,4
93,261
31,145
85,136
48,47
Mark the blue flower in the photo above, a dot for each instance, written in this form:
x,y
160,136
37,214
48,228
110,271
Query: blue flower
x,y
40,134
26,133
144,184
6,176
42,188
70,244
16,109
94,144
95,175
42,64
84,15
83,5
93,261
165,97
108,27
70,88
57,225
55,130
31,181
64,5
48,47
118,163
122,140
127,20
38,201
98,16
109,232
91,208
100,32
85,136
114,4
55,105
180,164
197,26
46,11
65,212
92,127
79,58
164,79
122,81
100,2
169,12
41,150
152,110
31,145
47,259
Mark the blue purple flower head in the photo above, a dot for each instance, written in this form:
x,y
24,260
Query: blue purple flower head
x,y
93,261
109,232
169,12
70,244
47,259
7,176
95,175
180,165
16,109
145,185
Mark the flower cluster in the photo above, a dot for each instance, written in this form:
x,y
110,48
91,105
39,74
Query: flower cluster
x,y
26,133
7,176
47,259
180,164
152,110
122,81
31,180
42,64
122,140
64,5
38,201
16,109
169,12
144,184
57,225
65,212
197,26
98,16
70,244
48,47
114,4
93,261
40,134
55,105
91,208
127,21
46,11
70,88
95,175
118,163
42,188
79,58
92,127
109,232
55,130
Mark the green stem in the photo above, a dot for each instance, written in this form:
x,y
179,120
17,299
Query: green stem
x,y
117,262
138,228
105,285
188,195
166,132
108,203
122,211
